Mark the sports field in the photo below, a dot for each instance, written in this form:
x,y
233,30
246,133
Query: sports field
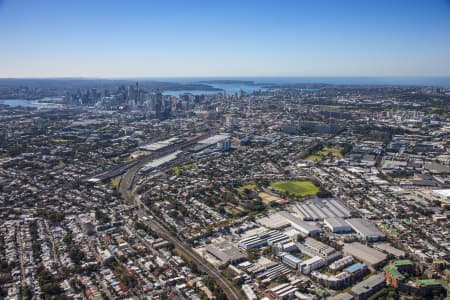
x,y
297,188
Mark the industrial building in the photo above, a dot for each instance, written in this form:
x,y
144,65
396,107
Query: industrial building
x,y
342,280
159,146
357,270
263,239
337,225
283,291
336,282
387,248
226,252
311,264
312,247
302,226
368,287
290,260
249,292
319,209
274,221
365,230
265,271
284,247
159,162
341,263
371,257
341,296
220,141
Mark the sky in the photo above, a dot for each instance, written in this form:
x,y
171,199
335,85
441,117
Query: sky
x,y
211,38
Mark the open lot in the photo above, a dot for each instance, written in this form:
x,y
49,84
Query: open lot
x,y
267,198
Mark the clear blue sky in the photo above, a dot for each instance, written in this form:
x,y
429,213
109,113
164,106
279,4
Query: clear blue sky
x,y
169,38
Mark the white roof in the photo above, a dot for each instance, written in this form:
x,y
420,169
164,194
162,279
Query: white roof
x,y
158,162
442,193
214,139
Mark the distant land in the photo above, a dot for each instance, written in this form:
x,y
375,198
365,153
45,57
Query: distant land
x,y
183,83
51,87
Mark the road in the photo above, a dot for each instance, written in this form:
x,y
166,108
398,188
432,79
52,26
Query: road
x,y
126,189
21,250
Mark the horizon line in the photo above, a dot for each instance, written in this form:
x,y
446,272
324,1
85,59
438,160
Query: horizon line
x,y
226,76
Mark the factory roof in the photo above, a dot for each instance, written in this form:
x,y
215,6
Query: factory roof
x,y
364,227
305,227
273,221
368,284
160,161
225,251
319,209
342,296
364,253
159,145
336,222
389,249
214,139
355,267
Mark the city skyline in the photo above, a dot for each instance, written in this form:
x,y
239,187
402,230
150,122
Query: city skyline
x,y
114,39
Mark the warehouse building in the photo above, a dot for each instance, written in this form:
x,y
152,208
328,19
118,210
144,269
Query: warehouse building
x,y
156,163
249,292
365,230
302,226
262,239
320,209
385,247
336,282
312,247
341,296
226,253
341,263
371,257
290,260
337,225
159,146
368,287
283,291
284,247
311,264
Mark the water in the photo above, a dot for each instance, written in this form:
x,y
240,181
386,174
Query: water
x,y
27,103
258,82
193,92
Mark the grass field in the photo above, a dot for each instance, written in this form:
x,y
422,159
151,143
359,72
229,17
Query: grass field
x,y
297,188
333,151
250,186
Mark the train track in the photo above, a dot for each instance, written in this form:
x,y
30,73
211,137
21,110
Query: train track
x,y
126,189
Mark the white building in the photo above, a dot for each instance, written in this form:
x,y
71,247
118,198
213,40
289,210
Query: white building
x,y
311,264
290,260
337,225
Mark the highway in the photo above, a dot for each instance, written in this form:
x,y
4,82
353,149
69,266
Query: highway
x,y
126,189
